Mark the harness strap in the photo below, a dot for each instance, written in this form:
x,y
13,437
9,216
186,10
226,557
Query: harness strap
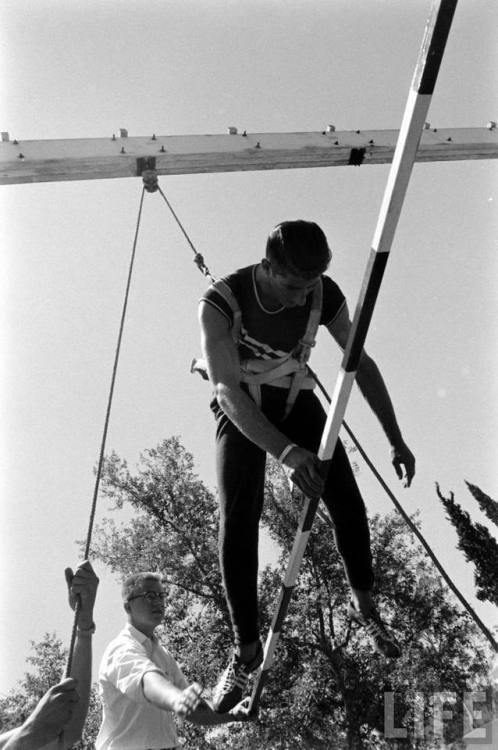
x,y
305,346
259,371
290,371
224,290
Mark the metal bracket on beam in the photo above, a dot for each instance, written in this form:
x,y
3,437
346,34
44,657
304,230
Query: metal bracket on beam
x,y
356,156
145,162
146,169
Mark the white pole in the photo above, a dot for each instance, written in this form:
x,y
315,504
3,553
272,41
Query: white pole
x,y
419,98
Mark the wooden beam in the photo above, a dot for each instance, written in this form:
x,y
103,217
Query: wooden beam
x,y
105,158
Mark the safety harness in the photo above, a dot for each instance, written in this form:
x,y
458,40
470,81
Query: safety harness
x,y
289,371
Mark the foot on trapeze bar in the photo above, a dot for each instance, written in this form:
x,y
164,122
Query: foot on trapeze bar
x,y
383,641
232,684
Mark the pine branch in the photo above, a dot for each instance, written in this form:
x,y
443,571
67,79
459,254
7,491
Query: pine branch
x,y
478,546
486,503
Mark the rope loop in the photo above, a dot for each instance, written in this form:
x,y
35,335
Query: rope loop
x,y
198,259
199,262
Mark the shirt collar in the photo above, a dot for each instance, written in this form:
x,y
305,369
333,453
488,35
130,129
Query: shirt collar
x,y
137,634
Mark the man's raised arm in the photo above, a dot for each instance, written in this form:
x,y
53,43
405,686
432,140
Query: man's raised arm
x,y
374,390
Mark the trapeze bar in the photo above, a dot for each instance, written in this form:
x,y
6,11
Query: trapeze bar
x,y
106,158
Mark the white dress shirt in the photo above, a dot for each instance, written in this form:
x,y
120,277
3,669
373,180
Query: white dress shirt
x,y
130,721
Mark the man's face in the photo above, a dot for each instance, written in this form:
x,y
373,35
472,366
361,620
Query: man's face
x,y
290,290
146,606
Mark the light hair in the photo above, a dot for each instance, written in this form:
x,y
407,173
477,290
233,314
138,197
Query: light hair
x,y
134,582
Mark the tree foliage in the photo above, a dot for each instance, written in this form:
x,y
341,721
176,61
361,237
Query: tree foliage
x,y
486,503
48,661
326,688
475,541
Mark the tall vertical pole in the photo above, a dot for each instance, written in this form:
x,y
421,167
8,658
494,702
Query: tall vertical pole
x,y
417,105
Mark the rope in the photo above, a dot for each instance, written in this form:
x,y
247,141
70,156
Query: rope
x,y
106,426
410,523
198,259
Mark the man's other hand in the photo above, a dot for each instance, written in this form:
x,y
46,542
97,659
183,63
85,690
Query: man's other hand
x,y
403,461
53,711
306,471
82,586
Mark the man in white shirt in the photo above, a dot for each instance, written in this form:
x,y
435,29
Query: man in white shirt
x,y
141,685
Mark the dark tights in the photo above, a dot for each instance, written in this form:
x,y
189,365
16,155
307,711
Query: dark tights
x,y
241,470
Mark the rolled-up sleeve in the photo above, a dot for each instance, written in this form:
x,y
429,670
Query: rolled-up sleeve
x,y
125,669
175,674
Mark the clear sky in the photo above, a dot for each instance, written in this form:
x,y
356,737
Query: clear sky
x,y
74,70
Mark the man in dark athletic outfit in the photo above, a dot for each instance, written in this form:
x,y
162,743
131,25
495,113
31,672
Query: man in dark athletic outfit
x,y
256,334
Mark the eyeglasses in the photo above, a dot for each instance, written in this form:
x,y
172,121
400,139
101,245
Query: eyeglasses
x,y
149,596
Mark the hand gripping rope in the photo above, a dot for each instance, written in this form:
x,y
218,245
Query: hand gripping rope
x,y
151,185
106,426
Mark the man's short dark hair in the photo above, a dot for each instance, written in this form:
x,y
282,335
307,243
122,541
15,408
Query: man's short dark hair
x,y
298,247
133,583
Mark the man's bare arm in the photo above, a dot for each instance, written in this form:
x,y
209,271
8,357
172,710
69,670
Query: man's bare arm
x,y
59,718
374,390
82,588
168,697
186,703
45,723
223,366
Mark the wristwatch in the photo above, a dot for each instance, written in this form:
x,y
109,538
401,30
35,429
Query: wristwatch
x,y
88,632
